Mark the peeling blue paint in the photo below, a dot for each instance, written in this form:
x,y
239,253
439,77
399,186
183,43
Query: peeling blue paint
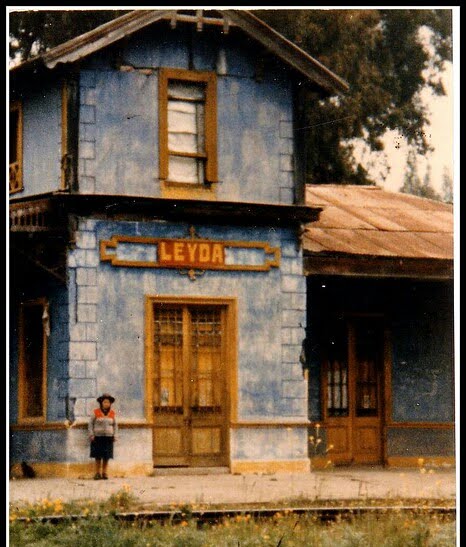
x,y
419,318
41,141
255,156
422,376
38,446
270,443
119,317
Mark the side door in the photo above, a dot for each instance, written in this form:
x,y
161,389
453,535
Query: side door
x,y
366,352
352,395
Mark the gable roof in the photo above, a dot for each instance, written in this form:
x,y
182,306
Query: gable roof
x,y
121,27
366,220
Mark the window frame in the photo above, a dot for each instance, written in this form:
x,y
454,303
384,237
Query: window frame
x,y
210,121
22,394
17,106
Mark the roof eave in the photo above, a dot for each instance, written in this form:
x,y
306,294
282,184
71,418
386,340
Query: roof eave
x,y
287,51
102,36
109,33
364,266
93,40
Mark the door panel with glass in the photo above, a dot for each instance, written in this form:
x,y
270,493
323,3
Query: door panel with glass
x,y
352,390
189,387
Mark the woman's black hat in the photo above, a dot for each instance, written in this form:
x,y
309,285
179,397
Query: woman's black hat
x,y
105,396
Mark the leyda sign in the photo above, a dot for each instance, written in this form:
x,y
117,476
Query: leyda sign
x,y
189,254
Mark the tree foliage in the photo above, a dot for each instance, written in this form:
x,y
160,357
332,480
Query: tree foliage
x,y
427,190
379,52
447,186
34,32
412,183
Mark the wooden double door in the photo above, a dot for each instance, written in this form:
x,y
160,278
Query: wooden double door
x,y
188,353
352,389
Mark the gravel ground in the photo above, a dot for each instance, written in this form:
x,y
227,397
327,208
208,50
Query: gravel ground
x,y
163,489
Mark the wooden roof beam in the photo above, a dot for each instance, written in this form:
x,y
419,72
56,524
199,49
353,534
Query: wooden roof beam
x,y
380,267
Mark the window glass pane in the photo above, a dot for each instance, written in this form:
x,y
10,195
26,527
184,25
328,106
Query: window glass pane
x,y
206,357
182,142
337,372
186,119
168,354
182,117
186,90
368,342
186,127
182,169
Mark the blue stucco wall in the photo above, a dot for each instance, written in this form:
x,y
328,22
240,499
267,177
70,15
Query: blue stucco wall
x,y
419,316
114,311
422,376
41,140
119,118
38,446
107,328
30,445
420,442
281,443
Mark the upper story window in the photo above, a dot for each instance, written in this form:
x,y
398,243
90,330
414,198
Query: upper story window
x,y
16,147
188,127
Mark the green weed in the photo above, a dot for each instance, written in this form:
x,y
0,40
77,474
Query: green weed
x,y
283,529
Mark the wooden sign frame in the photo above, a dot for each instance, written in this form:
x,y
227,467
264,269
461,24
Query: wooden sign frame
x,y
115,240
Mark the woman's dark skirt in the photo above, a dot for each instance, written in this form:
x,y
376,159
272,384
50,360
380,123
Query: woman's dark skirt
x,y
102,448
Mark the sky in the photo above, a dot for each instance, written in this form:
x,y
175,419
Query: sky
x,y
440,136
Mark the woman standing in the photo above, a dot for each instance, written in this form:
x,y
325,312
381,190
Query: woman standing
x,y
103,429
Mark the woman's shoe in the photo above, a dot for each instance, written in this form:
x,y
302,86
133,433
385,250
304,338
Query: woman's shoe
x,y
97,476
105,476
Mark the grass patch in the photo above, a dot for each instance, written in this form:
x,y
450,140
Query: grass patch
x,y
282,530
123,500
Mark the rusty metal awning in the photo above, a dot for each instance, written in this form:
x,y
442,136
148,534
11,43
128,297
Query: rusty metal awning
x,y
368,231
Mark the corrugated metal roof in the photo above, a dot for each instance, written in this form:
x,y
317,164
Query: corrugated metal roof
x,y
109,33
366,220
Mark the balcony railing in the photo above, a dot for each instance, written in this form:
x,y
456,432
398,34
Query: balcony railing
x,y
30,217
